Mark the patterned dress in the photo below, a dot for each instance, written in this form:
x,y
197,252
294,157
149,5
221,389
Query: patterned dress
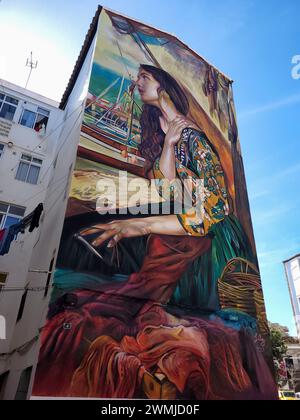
x,y
200,172
207,212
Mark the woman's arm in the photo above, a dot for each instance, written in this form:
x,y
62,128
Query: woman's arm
x,y
166,225
167,161
118,230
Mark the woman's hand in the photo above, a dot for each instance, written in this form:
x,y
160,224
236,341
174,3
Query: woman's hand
x,y
175,130
118,230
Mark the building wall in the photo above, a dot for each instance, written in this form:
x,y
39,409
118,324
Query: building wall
x,y
56,202
293,365
292,268
42,247
128,309
22,140
38,249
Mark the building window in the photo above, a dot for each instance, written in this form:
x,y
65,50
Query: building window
x,y
3,381
1,150
289,363
49,278
3,277
295,270
22,306
37,120
8,106
29,169
24,383
10,214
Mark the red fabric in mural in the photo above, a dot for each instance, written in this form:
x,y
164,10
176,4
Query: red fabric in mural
x,y
2,232
119,334
167,258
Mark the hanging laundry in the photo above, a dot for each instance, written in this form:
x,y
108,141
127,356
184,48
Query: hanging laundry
x,y
8,235
2,233
36,217
33,218
3,236
12,235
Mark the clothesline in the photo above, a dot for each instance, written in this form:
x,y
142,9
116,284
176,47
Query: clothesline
x,y
9,234
74,126
23,289
60,180
24,348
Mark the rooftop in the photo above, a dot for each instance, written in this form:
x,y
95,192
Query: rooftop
x,y
25,92
291,259
89,39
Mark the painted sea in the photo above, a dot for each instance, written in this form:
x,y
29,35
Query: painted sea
x,y
102,78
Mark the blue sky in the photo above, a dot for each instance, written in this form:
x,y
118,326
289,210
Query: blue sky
x,y
252,41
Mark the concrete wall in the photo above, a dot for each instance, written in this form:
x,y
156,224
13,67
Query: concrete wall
x,y
47,239
17,263
24,140
292,269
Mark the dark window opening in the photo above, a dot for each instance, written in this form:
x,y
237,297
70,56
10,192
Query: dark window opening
x,y
24,383
29,169
3,278
22,306
3,381
38,120
10,214
8,106
49,278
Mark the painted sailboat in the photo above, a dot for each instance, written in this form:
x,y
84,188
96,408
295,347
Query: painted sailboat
x,y
114,127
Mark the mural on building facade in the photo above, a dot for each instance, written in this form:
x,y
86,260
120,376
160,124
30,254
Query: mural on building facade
x,y
157,292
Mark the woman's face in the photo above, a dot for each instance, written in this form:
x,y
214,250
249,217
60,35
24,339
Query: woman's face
x,y
148,87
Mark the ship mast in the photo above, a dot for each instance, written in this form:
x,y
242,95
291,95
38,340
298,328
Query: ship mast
x,y
120,90
103,93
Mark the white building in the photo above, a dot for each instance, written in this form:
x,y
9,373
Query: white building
x,y
292,362
30,126
292,269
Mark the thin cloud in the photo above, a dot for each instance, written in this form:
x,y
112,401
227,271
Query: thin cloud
x,y
258,194
271,215
266,186
276,256
289,171
290,100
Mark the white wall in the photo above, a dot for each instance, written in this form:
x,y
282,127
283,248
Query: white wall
x,y
47,241
292,268
16,263
24,140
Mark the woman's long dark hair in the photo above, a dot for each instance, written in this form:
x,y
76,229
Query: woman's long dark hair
x,y
152,134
